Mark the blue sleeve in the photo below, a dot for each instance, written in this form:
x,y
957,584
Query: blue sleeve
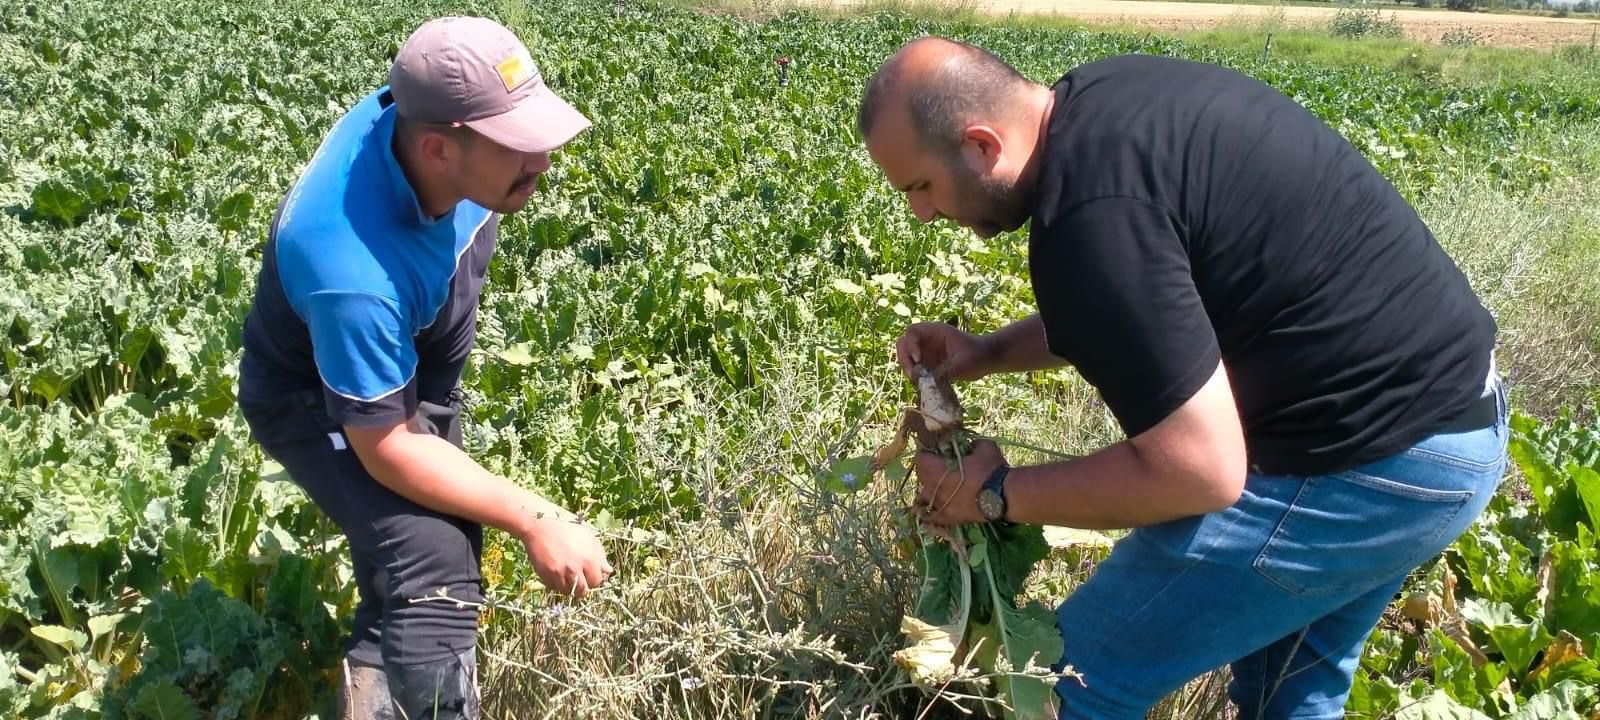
x,y
365,355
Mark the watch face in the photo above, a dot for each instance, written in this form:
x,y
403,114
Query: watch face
x,y
989,504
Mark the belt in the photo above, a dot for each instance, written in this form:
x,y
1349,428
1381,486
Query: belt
x,y
1482,413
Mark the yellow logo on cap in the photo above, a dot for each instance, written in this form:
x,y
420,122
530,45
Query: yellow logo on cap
x,y
516,70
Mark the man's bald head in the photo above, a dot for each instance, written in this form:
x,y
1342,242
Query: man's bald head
x,y
945,85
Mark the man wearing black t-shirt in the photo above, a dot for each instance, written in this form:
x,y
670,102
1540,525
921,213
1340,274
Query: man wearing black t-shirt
x,y
1304,377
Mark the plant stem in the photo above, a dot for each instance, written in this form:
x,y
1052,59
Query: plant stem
x,y
1005,442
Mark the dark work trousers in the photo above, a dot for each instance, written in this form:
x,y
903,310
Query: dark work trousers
x,y
401,552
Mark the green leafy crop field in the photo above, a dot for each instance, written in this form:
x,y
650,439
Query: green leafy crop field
x,y
682,332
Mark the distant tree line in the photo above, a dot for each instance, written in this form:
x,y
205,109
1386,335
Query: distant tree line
x,y
1582,6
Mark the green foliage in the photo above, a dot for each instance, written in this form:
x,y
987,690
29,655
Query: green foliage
x,y
992,636
1357,23
1462,37
53,199
712,226
1528,593
204,649
1017,642
107,521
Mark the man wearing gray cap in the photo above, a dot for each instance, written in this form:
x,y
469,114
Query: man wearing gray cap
x,y
353,352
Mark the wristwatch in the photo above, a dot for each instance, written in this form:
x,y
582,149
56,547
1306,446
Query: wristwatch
x,y
992,498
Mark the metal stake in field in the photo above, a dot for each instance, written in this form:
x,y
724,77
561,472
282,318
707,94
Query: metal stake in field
x,y
1267,51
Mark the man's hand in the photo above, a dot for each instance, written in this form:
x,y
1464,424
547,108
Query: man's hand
x,y
944,349
567,556
431,472
949,495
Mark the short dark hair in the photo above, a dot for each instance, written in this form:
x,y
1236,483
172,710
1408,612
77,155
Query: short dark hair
x,y
941,102
408,129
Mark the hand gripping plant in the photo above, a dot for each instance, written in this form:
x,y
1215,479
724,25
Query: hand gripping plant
x,y
966,625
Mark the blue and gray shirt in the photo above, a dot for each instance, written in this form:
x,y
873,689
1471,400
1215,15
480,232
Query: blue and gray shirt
x,y
360,294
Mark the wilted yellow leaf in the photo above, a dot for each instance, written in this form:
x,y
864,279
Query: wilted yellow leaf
x,y
1435,604
1565,648
930,658
492,557
889,452
1547,581
1065,537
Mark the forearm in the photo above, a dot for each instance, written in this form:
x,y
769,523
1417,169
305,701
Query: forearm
x,y
1111,489
431,472
1019,347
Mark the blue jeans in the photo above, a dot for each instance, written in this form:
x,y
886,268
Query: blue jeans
x,y
1285,586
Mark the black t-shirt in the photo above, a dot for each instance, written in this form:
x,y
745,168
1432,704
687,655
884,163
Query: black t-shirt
x,y
1186,213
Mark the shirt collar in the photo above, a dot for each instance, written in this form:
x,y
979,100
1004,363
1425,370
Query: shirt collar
x,y
402,198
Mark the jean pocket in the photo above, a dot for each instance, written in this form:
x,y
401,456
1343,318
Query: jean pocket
x,y
1352,531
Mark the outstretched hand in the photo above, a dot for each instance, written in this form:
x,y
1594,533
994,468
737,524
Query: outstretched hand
x,y
567,556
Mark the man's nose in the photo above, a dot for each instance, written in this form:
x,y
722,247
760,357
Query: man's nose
x,y
922,208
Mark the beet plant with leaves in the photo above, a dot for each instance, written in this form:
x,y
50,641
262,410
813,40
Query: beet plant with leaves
x,y
967,627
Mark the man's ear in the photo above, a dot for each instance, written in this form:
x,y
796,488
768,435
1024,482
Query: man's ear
x,y
434,148
980,148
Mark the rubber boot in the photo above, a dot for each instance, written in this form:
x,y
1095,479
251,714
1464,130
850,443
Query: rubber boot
x,y
365,693
442,690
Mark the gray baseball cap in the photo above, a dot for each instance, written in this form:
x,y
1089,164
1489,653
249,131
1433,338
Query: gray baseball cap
x,y
474,72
